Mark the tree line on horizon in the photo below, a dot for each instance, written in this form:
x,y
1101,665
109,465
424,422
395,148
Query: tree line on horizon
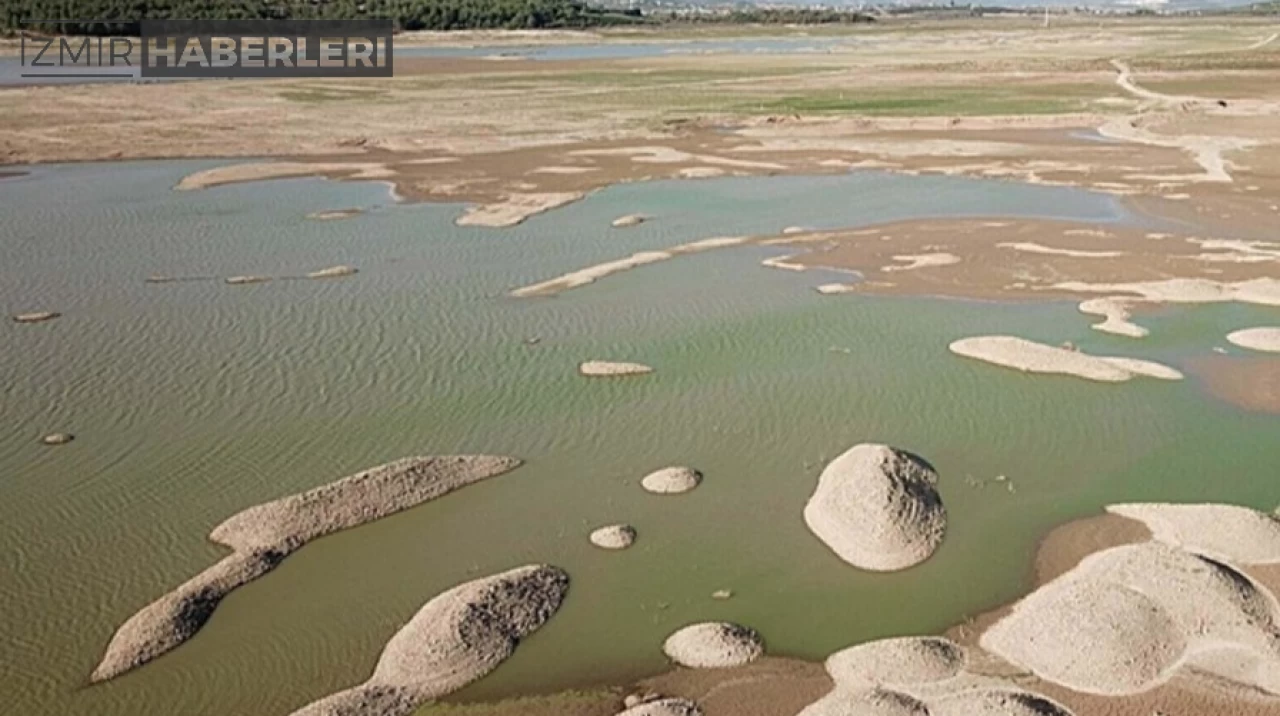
x,y
121,17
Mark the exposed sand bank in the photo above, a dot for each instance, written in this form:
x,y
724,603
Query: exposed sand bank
x,y
456,638
671,480
334,214
263,535
260,171
334,272
1032,247
243,280
515,208
1031,357
1116,313
1259,339
614,537
714,645
591,274
912,262
1248,382
628,220
57,438
606,369
878,508
36,317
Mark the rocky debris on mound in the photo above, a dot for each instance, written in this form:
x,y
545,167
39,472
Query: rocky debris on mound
x,y
714,645
456,638
878,508
601,368
664,707
263,535
671,480
614,537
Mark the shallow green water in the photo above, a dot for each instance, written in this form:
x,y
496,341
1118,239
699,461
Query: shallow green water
x,y
193,400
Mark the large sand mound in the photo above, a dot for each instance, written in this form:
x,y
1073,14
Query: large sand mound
x,y
664,707
456,638
671,480
888,662
263,535
878,508
1258,339
1032,357
1223,532
920,676
714,645
1125,618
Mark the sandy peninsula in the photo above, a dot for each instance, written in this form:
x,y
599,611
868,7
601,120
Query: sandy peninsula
x,y
260,537
1266,340
456,638
878,508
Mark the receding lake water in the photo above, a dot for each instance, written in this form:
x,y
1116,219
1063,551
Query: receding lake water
x,y
193,400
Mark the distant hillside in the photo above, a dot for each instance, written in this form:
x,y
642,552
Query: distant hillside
x,y
121,16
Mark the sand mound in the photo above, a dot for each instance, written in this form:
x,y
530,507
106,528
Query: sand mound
x,y
1031,357
456,638
241,280
1125,618
614,537
36,317
601,368
334,214
1116,313
713,645
878,508
995,702
905,660
671,480
333,272
877,702
57,438
664,707
263,535
1223,532
1258,339
629,220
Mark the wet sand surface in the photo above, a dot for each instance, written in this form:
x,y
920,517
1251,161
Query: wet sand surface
x,y
1252,383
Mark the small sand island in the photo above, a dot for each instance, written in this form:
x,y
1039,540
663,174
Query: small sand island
x,y
1266,340
334,214
878,508
607,369
629,220
515,208
614,537
456,638
244,280
36,317
57,438
263,535
334,272
714,645
671,480
1031,357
